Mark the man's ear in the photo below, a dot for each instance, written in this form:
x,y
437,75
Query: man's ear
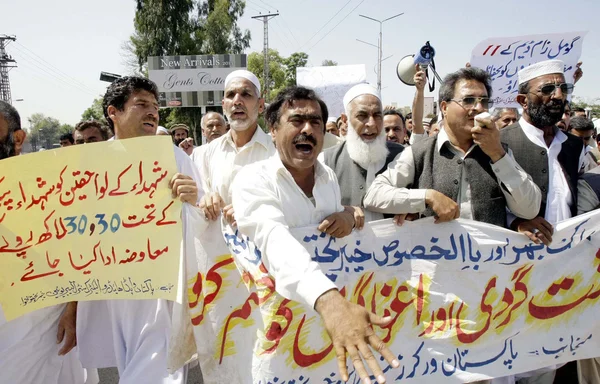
x,y
273,132
522,100
344,118
261,105
19,138
112,112
443,107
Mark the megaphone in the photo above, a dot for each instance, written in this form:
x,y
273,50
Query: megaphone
x,y
406,68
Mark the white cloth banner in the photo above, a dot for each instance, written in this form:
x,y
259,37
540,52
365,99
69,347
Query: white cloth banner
x,y
332,83
503,57
469,301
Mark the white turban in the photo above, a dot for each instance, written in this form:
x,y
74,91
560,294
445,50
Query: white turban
x,y
542,68
245,75
359,90
331,120
162,129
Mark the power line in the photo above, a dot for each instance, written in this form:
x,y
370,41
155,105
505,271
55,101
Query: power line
x,y
270,6
329,21
6,64
331,30
54,68
258,5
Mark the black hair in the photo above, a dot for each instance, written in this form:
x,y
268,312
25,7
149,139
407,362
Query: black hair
x,y
581,123
11,116
83,125
121,89
393,111
578,109
471,73
409,116
67,136
288,96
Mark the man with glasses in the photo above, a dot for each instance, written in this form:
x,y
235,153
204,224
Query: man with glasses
x,y
553,158
584,128
464,171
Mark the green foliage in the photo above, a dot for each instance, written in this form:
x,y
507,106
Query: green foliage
x,y
44,131
329,63
296,59
94,112
594,104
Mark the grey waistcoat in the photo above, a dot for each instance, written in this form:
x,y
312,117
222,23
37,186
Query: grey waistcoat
x,y
351,176
534,160
442,171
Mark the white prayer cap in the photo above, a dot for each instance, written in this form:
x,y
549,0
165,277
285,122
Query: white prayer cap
x,y
332,120
540,69
359,90
245,75
163,130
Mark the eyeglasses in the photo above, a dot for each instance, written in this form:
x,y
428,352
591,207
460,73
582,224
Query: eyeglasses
x,y
549,89
470,102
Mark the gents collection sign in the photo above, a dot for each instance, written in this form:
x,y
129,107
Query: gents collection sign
x,y
190,81
468,300
87,223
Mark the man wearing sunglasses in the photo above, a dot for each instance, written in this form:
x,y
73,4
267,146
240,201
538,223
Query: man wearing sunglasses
x,y
464,171
583,128
554,159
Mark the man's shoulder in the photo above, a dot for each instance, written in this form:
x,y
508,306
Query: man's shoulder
x,y
331,154
394,148
421,145
253,172
510,130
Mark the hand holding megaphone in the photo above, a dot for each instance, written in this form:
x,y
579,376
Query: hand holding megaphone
x,y
487,136
420,78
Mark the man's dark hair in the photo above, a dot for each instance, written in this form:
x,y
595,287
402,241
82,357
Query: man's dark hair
x,y
67,136
581,123
433,120
409,116
121,89
83,125
578,109
471,73
524,88
387,111
288,96
11,116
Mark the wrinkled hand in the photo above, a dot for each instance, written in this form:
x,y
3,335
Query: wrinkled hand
x,y
184,188
359,216
487,136
187,145
350,328
578,73
66,329
538,230
211,204
401,218
339,224
420,78
229,215
444,207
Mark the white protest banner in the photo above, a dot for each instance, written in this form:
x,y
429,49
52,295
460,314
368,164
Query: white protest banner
x,y
468,300
332,83
503,57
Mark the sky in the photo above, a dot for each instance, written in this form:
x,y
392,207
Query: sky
x,y
63,45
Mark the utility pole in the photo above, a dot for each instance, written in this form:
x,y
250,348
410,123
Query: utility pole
x,y
6,63
380,45
265,20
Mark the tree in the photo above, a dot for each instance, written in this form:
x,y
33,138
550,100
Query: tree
x,y
277,71
44,131
296,59
217,27
94,112
329,63
594,104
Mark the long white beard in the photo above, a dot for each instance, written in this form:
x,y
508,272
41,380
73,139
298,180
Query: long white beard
x,y
363,153
242,125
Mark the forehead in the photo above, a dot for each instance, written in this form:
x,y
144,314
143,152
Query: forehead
x,y
180,130
546,79
392,120
213,116
142,95
464,88
239,84
365,102
508,113
90,131
301,107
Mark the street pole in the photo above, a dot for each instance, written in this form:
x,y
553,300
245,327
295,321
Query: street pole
x,y
380,45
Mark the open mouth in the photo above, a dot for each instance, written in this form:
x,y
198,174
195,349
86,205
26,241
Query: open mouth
x,y
149,124
369,136
305,148
238,114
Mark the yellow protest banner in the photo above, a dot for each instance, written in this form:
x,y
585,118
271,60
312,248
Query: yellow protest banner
x,y
89,222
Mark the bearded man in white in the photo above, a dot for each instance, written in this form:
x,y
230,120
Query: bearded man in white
x,y
245,143
365,153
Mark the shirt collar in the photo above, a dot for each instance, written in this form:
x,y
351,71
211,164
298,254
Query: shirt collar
x,y
279,168
533,132
442,138
259,137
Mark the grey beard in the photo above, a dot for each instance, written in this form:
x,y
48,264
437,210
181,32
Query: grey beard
x,y
365,154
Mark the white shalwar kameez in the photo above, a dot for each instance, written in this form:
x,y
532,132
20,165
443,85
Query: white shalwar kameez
x,y
132,335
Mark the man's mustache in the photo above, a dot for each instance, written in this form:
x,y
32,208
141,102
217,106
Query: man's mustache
x,y
303,138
